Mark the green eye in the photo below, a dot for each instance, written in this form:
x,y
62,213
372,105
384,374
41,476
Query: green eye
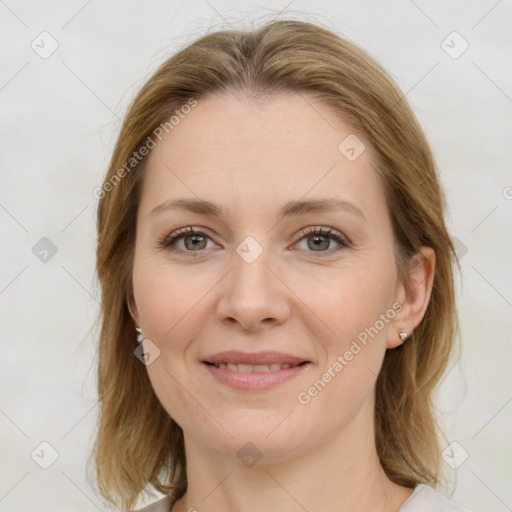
x,y
318,240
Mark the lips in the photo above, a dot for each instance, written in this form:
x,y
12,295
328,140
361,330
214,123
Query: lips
x,y
259,371
256,371
260,368
255,359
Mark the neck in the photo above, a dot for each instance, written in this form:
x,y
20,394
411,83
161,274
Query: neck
x,y
342,473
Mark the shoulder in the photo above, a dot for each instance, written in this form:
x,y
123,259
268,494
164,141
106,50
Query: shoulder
x,y
425,499
162,505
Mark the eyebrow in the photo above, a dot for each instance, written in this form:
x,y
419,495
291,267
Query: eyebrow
x,y
289,209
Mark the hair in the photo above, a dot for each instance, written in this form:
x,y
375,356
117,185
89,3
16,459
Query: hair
x,y
137,443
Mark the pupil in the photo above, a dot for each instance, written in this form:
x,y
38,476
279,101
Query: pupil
x,y
318,241
196,240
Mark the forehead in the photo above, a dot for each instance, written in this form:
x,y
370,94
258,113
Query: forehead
x,y
258,153
292,122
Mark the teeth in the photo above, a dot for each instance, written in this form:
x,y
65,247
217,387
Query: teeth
x,y
261,368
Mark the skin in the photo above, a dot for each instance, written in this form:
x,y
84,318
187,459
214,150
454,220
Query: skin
x,y
251,158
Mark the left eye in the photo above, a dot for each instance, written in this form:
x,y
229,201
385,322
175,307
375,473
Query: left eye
x,y
195,240
320,238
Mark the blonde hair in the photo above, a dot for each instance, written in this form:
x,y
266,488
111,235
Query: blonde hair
x,y
137,442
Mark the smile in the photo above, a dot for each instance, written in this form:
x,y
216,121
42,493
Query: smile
x,y
261,368
257,377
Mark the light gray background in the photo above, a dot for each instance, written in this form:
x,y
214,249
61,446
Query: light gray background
x,y
59,120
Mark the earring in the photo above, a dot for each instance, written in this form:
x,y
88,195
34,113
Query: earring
x,y
403,335
139,334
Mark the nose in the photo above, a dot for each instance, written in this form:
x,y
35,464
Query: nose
x,y
253,294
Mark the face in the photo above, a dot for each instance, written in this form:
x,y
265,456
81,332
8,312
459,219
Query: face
x,y
311,282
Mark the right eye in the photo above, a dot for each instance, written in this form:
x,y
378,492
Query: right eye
x,y
194,240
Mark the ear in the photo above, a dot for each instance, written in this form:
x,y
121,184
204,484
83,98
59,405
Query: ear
x,y
413,295
132,308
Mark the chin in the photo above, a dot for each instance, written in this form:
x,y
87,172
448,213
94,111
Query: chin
x,y
257,436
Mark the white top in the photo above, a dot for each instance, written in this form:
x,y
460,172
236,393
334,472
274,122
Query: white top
x,y
427,499
423,499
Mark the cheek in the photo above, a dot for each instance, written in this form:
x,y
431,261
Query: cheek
x,y
168,300
348,299
172,316
355,308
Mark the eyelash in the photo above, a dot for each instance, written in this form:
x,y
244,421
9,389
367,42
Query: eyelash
x,y
167,241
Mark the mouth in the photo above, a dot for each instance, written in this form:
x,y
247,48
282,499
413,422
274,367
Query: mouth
x,y
254,371
258,368
254,377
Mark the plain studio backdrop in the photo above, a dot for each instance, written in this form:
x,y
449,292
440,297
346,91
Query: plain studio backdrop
x,y
68,71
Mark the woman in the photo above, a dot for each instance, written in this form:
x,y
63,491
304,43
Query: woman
x,y
277,284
